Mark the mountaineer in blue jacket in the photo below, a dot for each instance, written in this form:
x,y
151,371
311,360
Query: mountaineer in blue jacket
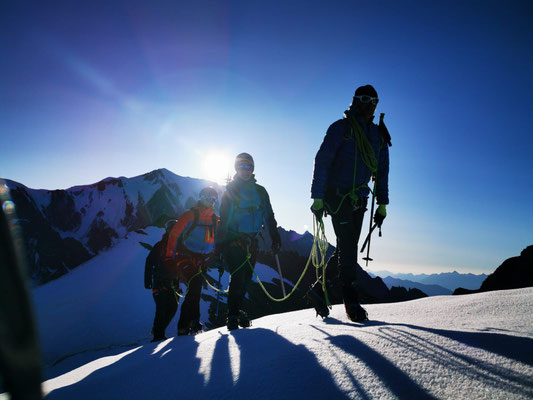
x,y
244,210
354,150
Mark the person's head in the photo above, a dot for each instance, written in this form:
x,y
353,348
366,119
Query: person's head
x,y
244,165
365,101
208,197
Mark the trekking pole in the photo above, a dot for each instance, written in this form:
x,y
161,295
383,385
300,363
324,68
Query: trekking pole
x,y
218,292
367,240
370,228
280,276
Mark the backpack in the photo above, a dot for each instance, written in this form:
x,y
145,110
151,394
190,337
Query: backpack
x,y
247,212
199,237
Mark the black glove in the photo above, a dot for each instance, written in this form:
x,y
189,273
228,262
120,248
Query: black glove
x,y
317,208
148,285
380,215
276,247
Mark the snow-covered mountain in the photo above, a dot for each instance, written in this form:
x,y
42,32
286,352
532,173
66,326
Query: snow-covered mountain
x,y
94,329
448,280
64,228
430,290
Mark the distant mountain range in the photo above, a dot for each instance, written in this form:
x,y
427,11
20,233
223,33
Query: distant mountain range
x,y
446,280
430,290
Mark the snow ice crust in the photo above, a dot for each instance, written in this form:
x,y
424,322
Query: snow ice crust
x,y
94,325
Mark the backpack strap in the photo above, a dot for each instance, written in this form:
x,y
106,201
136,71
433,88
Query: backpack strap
x,y
193,225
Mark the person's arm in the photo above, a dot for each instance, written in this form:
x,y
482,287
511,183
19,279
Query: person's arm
x,y
176,231
225,211
325,156
148,269
382,179
270,221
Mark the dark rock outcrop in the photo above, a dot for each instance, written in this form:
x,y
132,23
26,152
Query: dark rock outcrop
x,y
513,273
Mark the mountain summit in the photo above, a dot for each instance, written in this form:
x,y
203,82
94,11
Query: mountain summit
x,y
64,228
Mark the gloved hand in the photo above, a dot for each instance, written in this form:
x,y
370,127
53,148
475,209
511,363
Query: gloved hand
x,y
380,214
276,247
317,208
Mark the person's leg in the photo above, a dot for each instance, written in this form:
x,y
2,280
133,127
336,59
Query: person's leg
x,y
190,310
165,309
347,224
240,275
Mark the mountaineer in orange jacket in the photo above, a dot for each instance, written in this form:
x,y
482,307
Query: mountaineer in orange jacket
x,y
190,243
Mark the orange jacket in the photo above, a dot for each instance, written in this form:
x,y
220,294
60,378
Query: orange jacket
x,y
194,232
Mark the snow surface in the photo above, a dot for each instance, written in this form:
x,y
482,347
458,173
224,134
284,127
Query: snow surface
x,y
94,325
108,293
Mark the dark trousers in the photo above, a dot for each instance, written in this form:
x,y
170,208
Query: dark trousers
x,y
234,256
347,224
166,304
190,309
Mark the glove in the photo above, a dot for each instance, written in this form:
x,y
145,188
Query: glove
x,y
318,208
148,285
276,247
380,215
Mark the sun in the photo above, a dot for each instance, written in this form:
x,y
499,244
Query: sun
x,y
218,166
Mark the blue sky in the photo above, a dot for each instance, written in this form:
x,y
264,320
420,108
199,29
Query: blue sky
x,y
96,89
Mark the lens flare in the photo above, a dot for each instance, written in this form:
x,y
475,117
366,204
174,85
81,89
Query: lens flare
x,y
218,167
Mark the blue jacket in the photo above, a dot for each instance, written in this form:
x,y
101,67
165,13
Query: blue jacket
x,y
334,162
244,210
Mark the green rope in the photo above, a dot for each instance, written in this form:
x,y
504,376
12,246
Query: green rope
x,y
366,150
369,158
317,257
238,268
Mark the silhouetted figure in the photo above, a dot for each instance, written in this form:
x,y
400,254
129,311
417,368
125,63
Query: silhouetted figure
x,y
20,362
354,150
244,211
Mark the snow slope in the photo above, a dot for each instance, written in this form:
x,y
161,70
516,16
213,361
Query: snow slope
x,y
94,325
103,302
460,347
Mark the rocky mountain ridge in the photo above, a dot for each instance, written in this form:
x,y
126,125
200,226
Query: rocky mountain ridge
x,y
64,228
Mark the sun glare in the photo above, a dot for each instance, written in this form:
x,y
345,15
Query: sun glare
x,y
218,166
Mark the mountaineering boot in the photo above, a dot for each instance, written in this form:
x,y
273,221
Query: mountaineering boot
x,y
232,322
315,297
195,327
158,339
356,313
243,320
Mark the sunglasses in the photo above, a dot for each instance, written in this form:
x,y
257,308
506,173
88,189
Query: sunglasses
x,y
208,198
247,167
367,99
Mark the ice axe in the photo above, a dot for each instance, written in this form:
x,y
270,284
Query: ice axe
x,y
367,242
370,230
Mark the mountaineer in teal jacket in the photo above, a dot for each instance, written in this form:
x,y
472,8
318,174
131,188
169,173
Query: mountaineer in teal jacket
x,y
244,210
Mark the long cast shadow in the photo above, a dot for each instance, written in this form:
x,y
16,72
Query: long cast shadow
x,y
142,374
492,373
517,348
397,381
274,367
